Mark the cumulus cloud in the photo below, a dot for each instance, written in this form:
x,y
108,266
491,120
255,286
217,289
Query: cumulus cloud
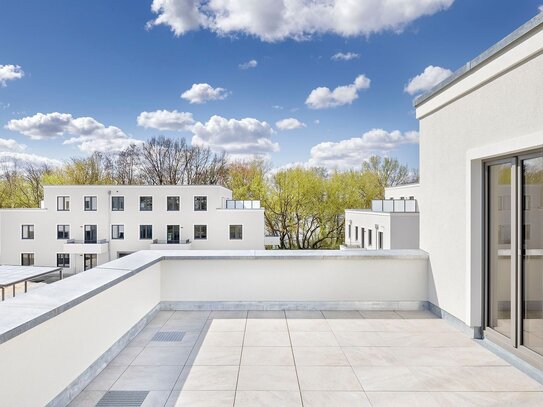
x,y
340,56
431,76
346,154
276,20
11,145
10,73
239,137
289,124
324,98
249,64
203,92
89,134
9,158
166,120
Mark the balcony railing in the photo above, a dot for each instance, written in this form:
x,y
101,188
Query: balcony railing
x,y
95,241
238,204
394,205
182,241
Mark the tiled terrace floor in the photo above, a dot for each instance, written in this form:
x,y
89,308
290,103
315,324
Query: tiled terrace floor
x,y
311,358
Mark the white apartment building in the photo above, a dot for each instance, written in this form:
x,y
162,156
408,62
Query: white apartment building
x,y
82,226
391,223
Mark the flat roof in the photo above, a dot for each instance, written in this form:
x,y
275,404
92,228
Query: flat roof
x,y
14,274
524,29
130,186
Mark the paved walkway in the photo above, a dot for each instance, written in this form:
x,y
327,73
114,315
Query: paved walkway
x,y
310,359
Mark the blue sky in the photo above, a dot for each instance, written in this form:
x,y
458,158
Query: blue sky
x,y
77,75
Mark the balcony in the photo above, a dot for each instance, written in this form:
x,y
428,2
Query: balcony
x,y
73,246
394,205
170,245
249,328
238,204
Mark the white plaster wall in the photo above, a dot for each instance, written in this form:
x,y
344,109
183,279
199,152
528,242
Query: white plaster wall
x,y
41,362
311,279
405,231
500,103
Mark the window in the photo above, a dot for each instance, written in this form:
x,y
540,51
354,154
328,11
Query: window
x,y
91,234
63,231
172,234
356,233
117,232
362,237
172,203
380,240
63,203
349,232
27,259
200,203
89,261
63,260
90,203
27,232
369,237
146,203
146,232
200,232
236,232
117,203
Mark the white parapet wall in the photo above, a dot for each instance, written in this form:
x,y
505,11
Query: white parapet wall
x,y
57,338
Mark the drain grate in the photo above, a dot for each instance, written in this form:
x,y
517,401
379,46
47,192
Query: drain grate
x,y
122,399
174,336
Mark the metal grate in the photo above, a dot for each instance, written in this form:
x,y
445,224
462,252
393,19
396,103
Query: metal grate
x,y
122,399
174,336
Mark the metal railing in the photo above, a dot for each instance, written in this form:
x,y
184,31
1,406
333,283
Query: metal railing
x,y
97,241
239,204
182,241
394,205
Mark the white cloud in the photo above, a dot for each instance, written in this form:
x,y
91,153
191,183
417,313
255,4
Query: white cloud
x,y
431,76
289,124
166,120
278,107
89,134
10,73
317,121
340,56
245,136
248,65
8,157
203,92
540,8
323,97
276,20
11,145
346,154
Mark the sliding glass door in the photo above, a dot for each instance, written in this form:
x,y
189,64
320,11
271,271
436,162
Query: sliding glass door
x,y
514,253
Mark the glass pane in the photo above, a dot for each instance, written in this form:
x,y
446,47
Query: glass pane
x,y
499,248
532,250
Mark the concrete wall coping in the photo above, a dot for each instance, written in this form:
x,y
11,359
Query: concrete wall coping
x,y
22,313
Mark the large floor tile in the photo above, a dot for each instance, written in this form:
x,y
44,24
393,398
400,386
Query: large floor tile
x,y
320,356
267,378
227,314
87,398
208,378
225,325
435,340
345,338
313,339
190,325
268,399
266,314
267,325
362,325
471,356
258,338
308,325
148,378
335,398
215,356
190,315
304,314
106,378
386,378
126,356
162,356
220,339
330,378
370,356
188,398
267,356
156,399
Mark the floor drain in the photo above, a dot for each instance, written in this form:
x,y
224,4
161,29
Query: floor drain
x,y
122,399
175,336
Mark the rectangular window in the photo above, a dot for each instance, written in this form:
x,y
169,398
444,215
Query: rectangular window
x,y
349,232
146,232
63,203
146,203
27,259
200,232
362,237
63,260
380,240
117,232
200,203
89,261
90,203
63,231
370,237
117,203
172,234
236,232
356,233
27,232
91,234
172,203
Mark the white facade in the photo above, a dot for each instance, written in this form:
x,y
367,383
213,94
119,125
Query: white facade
x,y
95,230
